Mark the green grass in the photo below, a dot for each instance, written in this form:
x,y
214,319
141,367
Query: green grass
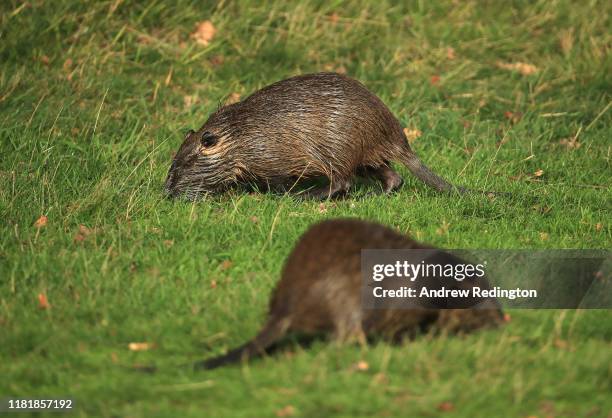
x,y
94,98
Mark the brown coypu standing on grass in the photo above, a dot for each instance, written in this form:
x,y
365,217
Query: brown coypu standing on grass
x,y
320,291
322,125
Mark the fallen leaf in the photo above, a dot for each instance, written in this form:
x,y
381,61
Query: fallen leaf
x,y
598,226
434,80
82,233
538,173
333,18
340,69
450,53
233,98
67,66
520,67
40,222
189,100
287,411
570,143
513,117
566,40
322,208
213,284
226,264
361,366
507,317
446,406
43,303
254,219
204,33
443,229
217,60
140,346
412,134
45,60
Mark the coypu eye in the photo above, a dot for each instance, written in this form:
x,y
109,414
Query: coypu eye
x,y
208,140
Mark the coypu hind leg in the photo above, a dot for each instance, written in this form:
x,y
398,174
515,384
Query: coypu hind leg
x,y
390,179
335,188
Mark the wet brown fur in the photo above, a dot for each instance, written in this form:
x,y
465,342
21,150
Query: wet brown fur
x,y
322,125
320,292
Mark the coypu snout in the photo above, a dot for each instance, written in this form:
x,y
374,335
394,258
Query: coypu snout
x,y
195,168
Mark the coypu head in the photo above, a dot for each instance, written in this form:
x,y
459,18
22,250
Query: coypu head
x,y
201,164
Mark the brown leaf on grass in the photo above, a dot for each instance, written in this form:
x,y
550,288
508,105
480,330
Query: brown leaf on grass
x,y
217,60
334,18
562,344
598,226
322,208
446,406
233,98
520,67
43,303
226,264
566,40
340,69
204,33
570,143
513,117
360,366
141,346
443,229
434,80
82,233
40,222
412,134
450,53
507,317
538,173
287,411
213,284
190,100
67,67
45,60
254,219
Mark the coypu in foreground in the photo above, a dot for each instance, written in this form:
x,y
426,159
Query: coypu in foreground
x,y
314,126
320,291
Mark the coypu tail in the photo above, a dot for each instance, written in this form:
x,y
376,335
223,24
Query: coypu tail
x,y
423,173
273,330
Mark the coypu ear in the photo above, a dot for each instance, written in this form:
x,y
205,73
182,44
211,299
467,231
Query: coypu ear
x,y
208,139
189,133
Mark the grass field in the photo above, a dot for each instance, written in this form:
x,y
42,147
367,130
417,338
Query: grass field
x,y
95,98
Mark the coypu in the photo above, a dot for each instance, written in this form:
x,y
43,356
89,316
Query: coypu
x,y
314,126
320,291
